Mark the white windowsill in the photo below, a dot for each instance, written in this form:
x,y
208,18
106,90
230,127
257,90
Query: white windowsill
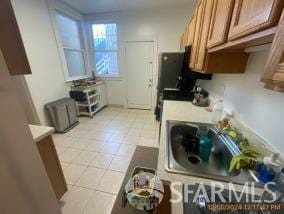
x,y
110,77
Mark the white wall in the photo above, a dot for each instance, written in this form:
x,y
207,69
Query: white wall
x,y
259,109
25,186
115,91
46,83
164,26
26,100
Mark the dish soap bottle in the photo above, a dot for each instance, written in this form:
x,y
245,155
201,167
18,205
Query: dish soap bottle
x,y
217,111
205,147
271,166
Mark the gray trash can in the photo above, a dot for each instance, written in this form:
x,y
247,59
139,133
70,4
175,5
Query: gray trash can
x,y
63,114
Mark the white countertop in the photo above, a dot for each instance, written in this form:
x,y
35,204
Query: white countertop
x,y
40,132
180,111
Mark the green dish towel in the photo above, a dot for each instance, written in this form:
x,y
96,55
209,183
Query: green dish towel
x,y
241,161
247,150
247,159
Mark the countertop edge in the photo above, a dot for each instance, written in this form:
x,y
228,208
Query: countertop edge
x,y
40,132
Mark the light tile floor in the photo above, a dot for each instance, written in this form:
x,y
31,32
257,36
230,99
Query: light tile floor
x,y
95,156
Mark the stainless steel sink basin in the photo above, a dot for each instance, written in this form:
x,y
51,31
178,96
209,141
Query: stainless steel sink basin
x,y
178,160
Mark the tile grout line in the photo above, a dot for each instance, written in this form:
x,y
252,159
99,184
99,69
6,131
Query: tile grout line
x,y
113,117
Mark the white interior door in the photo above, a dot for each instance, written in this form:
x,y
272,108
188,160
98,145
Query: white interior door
x,y
139,67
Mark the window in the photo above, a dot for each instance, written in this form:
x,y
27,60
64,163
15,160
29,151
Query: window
x,y
72,43
105,49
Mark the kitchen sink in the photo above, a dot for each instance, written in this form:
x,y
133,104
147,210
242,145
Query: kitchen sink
x,y
179,160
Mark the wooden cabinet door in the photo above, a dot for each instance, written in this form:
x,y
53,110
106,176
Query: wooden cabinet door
x,y
250,16
52,165
11,42
194,47
203,36
274,70
191,30
220,22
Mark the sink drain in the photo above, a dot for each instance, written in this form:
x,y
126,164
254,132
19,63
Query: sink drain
x,y
194,159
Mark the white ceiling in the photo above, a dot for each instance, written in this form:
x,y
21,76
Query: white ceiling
x,y
100,6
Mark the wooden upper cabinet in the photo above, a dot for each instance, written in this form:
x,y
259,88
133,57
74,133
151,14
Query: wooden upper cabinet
x,y
274,70
191,30
194,48
203,35
205,62
250,16
11,43
220,22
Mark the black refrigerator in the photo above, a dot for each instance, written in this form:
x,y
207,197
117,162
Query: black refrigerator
x,y
170,67
176,80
